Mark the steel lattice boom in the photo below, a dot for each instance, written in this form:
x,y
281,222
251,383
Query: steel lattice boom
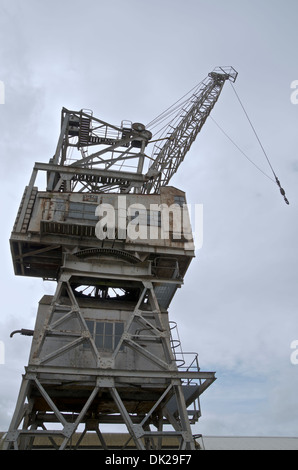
x,y
168,158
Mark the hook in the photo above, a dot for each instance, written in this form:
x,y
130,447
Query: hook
x,y
282,191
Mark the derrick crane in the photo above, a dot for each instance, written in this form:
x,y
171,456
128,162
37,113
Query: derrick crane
x,y
103,348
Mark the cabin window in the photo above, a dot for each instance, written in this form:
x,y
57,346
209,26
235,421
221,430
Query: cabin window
x,y
145,217
82,211
106,334
180,200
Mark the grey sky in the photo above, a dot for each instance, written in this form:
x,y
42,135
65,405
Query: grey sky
x,y
131,60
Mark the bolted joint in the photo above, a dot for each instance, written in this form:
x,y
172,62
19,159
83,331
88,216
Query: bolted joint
x,y
69,429
138,431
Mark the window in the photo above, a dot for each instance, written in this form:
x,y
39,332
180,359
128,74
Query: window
x,y
146,217
80,210
180,200
106,334
154,218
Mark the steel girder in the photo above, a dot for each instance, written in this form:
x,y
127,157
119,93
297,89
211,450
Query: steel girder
x,y
54,390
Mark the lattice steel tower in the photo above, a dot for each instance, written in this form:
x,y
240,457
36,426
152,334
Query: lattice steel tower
x,y
103,349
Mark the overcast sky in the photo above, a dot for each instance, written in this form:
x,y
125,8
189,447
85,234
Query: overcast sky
x,y
129,59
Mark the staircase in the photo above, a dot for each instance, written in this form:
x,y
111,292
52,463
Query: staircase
x,y
84,131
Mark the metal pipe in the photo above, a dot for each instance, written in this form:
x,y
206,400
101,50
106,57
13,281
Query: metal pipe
x,y
23,331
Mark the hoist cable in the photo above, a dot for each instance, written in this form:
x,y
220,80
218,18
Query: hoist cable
x,y
282,191
240,150
242,106
150,124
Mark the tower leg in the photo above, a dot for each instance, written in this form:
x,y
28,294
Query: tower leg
x,y
75,378
11,438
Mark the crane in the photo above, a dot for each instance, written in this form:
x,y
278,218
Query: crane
x,y
103,348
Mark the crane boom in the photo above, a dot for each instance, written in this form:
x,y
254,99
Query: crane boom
x,y
168,157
